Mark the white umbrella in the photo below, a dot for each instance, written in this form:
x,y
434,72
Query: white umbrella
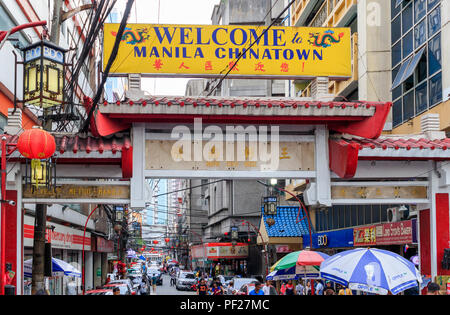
x,y
57,266
371,270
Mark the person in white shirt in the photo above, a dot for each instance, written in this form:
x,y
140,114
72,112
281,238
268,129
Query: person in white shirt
x,y
300,288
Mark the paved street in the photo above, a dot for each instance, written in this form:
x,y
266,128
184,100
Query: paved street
x,y
166,289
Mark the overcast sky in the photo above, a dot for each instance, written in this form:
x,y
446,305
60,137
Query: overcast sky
x,y
170,12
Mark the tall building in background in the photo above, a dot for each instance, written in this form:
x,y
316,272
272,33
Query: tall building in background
x,y
156,214
397,55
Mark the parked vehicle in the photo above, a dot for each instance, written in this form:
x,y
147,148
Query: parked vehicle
x,y
239,283
224,280
247,288
127,282
123,287
185,280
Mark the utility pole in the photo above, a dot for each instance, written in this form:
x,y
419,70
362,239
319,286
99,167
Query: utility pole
x,y
268,23
40,221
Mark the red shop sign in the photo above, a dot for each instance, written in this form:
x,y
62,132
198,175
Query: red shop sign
x,y
395,233
104,246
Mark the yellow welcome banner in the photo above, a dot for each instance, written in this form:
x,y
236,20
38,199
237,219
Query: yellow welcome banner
x,y
211,51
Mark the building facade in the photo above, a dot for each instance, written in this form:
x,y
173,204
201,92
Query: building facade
x,y
67,219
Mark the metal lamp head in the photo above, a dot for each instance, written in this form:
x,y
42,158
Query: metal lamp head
x,y
44,77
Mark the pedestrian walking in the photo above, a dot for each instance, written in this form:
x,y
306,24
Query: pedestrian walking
x,y
300,288
329,289
345,291
308,288
216,289
154,280
290,288
283,288
230,288
172,278
257,290
202,288
319,288
433,289
269,289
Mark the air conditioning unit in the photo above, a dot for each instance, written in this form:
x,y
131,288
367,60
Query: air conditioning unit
x,y
394,215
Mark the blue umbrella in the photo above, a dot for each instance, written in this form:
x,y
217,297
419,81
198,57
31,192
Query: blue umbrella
x,y
371,270
57,266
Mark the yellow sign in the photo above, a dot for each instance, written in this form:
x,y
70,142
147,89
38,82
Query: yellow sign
x,y
212,50
78,192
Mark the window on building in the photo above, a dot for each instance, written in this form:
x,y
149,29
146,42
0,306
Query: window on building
x,y
7,22
416,57
3,122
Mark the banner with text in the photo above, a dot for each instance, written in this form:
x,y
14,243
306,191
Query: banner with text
x,y
212,50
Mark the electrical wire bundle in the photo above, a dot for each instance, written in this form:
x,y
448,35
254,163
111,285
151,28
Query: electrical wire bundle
x,y
96,19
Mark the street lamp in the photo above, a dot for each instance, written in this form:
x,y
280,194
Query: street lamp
x,y
43,75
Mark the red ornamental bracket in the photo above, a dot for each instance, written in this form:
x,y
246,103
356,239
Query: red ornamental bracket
x,y
343,158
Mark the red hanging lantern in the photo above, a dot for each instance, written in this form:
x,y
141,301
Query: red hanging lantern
x,y
155,242
152,249
167,240
36,144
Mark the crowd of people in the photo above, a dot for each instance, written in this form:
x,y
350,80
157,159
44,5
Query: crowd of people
x,y
321,287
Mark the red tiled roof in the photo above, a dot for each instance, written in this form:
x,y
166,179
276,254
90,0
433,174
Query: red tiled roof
x,y
233,102
76,144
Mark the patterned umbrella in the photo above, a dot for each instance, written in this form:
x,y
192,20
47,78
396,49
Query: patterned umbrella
x,y
371,270
303,260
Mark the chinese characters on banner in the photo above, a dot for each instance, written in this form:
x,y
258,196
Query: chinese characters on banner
x,y
212,50
384,234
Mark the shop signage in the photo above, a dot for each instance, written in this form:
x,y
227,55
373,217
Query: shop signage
x,y
333,239
234,156
378,192
78,192
211,50
364,236
219,250
233,251
60,237
396,233
104,246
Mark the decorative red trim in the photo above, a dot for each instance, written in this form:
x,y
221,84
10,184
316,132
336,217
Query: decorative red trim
x,y
370,128
127,162
101,125
11,233
232,119
224,244
442,230
343,158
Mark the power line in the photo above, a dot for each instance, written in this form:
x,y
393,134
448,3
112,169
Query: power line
x,y
256,41
111,60
217,181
